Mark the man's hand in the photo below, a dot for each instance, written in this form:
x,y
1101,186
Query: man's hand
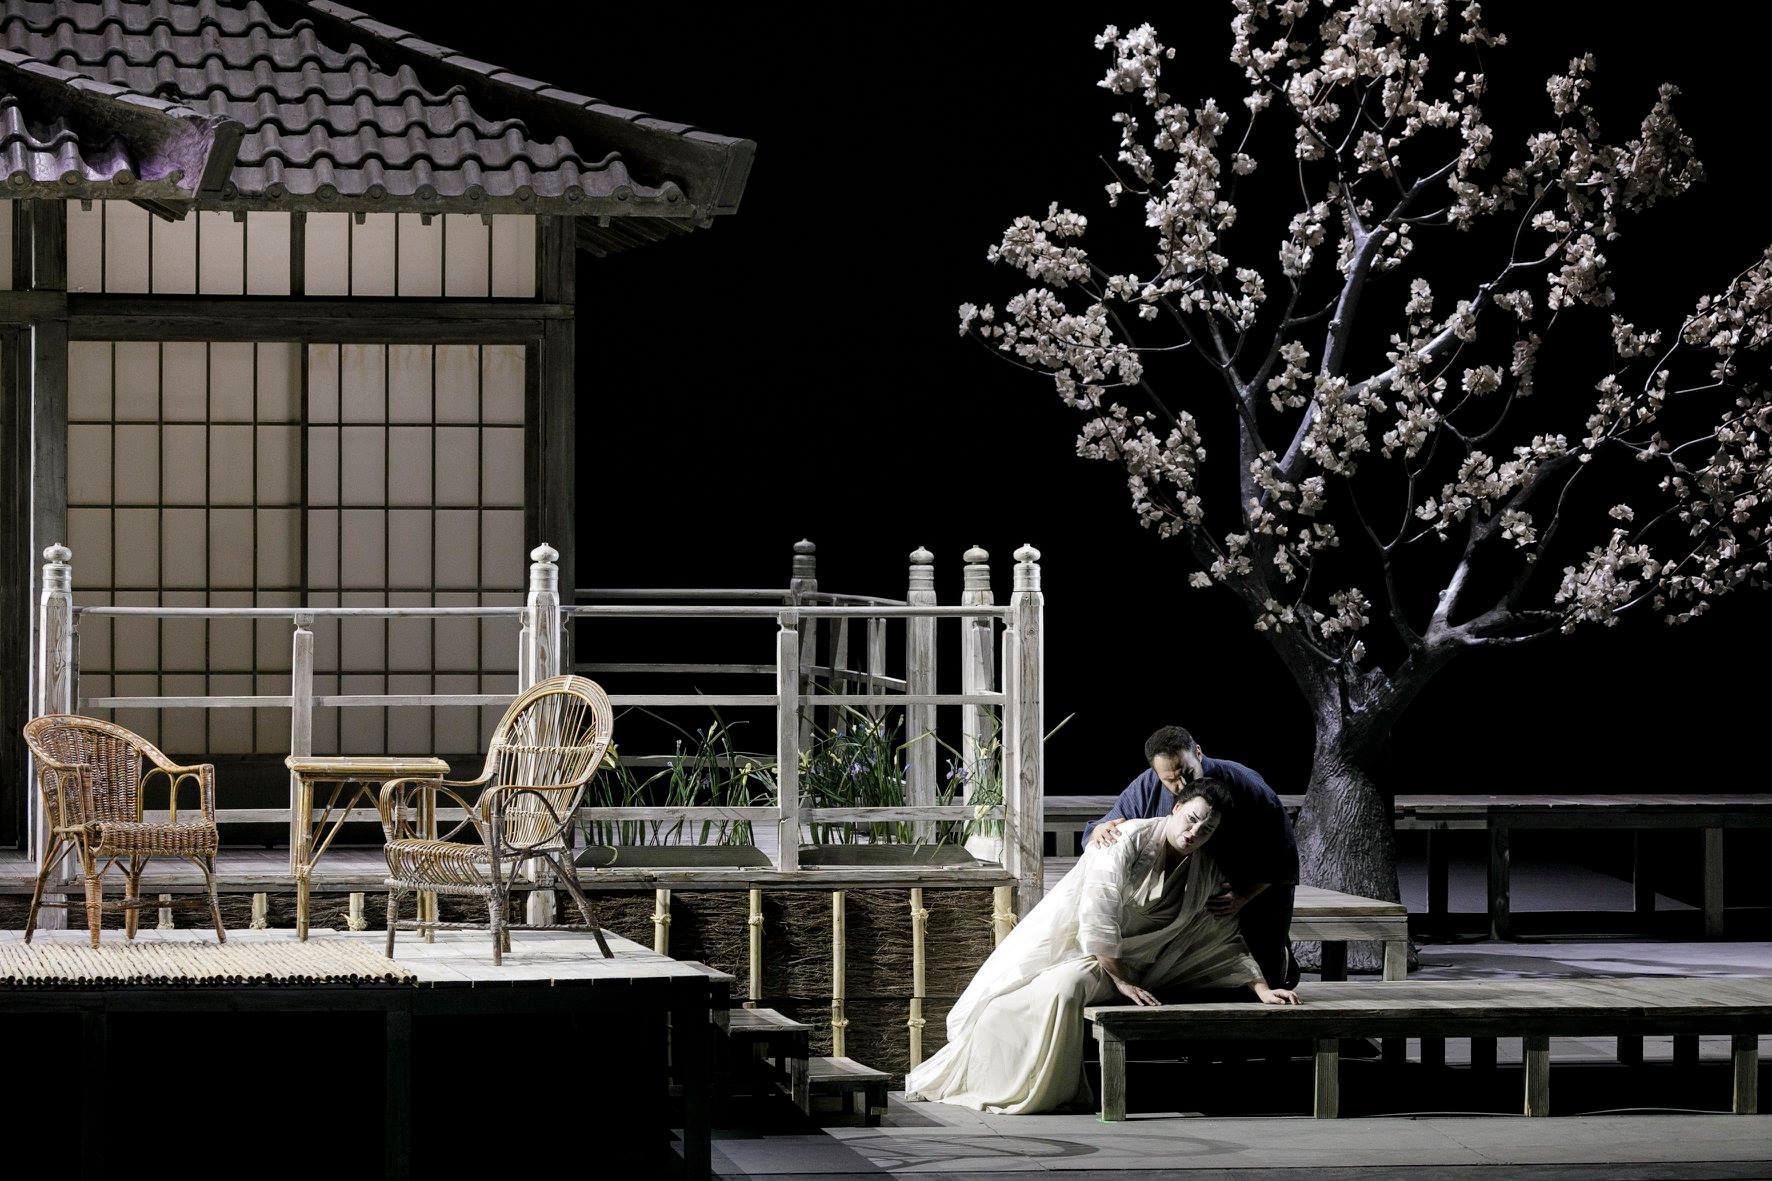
x,y
1226,902
1104,833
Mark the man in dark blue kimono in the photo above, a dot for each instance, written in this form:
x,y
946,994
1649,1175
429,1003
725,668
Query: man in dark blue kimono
x,y
1253,846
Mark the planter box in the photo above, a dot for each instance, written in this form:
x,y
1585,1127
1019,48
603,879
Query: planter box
x,y
843,856
671,857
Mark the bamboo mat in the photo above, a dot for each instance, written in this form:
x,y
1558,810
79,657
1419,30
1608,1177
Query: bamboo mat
x,y
322,961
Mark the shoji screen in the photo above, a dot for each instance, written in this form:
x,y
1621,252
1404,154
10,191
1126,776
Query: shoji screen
x,y
210,474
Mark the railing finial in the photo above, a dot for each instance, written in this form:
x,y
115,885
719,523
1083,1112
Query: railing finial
x,y
805,560
978,569
544,555
58,571
1027,568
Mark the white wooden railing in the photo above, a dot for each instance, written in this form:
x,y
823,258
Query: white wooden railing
x,y
802,683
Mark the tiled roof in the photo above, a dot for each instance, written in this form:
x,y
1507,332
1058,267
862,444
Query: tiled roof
x,y
339,111
62,132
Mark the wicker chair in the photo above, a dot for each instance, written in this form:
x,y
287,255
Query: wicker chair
x,y
94,777
544,751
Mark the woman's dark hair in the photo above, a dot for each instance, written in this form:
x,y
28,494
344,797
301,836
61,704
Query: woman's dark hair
x,y
1214,791
1170,741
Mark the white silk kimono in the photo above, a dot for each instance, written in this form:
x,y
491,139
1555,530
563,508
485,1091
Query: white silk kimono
x,y
1015,1037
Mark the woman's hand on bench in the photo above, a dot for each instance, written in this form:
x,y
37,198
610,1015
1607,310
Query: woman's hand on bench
x,y
1125,987
1275,996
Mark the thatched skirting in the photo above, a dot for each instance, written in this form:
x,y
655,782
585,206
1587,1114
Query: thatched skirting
x,y
711,926
62,963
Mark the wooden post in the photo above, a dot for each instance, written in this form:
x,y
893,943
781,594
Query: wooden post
x,y
1433,1052
1327,1099
1713,882
837,718
1438,879
1113,1076
876,664
661,922
1482,1053
1334,960
919,972
1641,879
1396,959
1537,1051
1500,868
1630,1049
839,974
1745,1049
804,581
56,677
1024,794
754,987
1685,1049
919,674
261,911
539,659
787,741
978,657
301,744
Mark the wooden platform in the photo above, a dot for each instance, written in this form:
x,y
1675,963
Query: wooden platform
x,y
544,973
1740,1006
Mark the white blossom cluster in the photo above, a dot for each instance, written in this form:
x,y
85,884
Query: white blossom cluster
x,y
1379,104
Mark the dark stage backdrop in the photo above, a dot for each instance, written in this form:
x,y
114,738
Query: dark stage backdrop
x,y
795,371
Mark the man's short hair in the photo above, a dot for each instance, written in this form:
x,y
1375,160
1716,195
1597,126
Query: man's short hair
x,y
1215,792
1172,741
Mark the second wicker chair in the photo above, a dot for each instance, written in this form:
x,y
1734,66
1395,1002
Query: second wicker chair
x,y
545,749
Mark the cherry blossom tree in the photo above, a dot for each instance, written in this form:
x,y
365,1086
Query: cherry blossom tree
x,y
1388,476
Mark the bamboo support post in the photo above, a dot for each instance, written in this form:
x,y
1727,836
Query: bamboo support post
x,y
787,740
57,676
754,986
919,972
163,920
354,918
1002,913
261,911
539,659
839,981
919,720
803,582
661,922
1024,779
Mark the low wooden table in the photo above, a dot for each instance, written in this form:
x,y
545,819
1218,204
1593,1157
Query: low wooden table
x,y
354,780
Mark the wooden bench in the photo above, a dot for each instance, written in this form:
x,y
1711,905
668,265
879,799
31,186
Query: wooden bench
x,y
1534,1010
761,1034
847,1078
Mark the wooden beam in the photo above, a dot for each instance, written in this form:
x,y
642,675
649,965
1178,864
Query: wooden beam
x,y
282,317
550,481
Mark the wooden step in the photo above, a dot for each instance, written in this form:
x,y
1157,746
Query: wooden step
x,y
763,1025
845,1077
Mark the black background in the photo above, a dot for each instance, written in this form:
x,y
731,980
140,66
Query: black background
x,y
795,371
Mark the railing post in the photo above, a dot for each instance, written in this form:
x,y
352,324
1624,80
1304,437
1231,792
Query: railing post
x,y
787,740
1027,788
301,745
56,694
919,720
978,642
539,659
538,655
803,582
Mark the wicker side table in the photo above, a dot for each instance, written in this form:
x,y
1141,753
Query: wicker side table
x,y
353,779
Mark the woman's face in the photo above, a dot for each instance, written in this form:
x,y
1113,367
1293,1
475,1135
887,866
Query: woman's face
x,y
1191,824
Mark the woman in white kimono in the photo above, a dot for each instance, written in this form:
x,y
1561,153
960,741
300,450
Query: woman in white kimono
x,y
1128,919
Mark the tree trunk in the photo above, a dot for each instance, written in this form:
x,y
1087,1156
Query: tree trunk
x,y
1346,840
